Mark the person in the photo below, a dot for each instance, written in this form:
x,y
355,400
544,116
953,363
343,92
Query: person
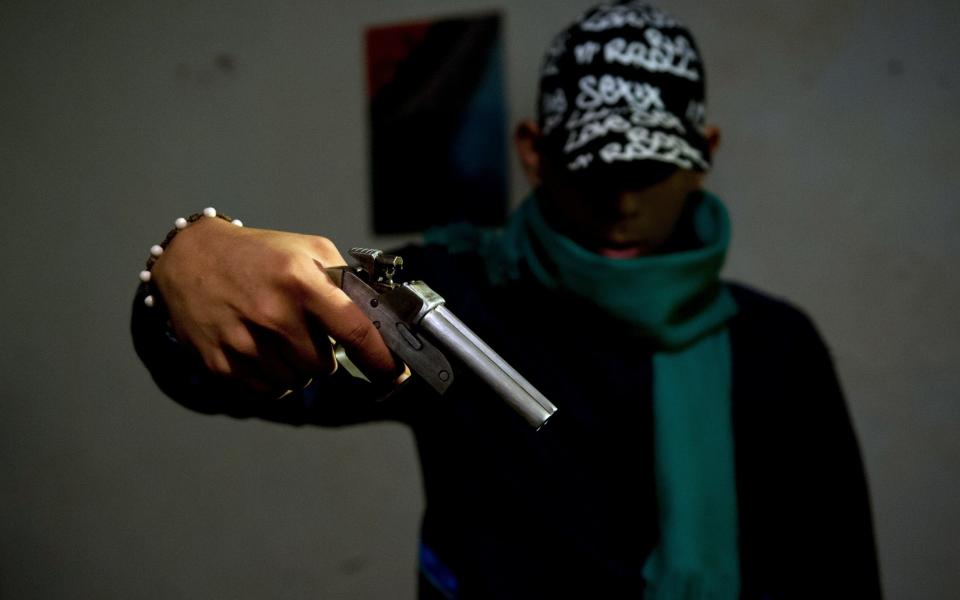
x,y
701,448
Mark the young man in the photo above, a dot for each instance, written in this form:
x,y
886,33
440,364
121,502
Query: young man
x,y
702,448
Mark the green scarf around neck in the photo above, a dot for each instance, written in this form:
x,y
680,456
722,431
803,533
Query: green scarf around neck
x,y
676,301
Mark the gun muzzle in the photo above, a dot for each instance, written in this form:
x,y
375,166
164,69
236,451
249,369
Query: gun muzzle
x,y
455,337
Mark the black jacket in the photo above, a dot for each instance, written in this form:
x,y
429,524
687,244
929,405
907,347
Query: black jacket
x,y
570,511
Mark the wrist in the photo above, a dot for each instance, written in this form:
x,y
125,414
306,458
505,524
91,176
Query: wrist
x,y
196,222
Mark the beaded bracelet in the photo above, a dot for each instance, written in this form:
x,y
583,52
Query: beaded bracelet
x,y
157,249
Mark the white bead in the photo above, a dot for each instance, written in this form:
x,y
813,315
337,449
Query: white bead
x,y
156,250
148,301
180,223
209,212
237,222
145,276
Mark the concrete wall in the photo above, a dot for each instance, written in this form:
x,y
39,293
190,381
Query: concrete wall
x,y
838,164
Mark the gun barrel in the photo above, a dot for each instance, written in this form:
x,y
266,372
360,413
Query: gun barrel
x,y
454,336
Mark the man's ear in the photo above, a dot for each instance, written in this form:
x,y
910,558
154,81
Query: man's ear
x,y
712,134
526,141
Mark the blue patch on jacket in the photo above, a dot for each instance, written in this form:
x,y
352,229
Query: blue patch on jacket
x,y
437,573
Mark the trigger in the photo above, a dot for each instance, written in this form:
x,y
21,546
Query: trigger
x,y
341,353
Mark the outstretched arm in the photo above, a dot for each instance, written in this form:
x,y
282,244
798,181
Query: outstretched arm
x,y
243,314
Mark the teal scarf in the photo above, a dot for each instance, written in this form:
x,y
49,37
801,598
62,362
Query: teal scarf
x,y
677,301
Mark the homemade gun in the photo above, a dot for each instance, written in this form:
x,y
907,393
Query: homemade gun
x,y
417,327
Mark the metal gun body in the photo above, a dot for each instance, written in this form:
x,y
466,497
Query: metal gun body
x,y
413,321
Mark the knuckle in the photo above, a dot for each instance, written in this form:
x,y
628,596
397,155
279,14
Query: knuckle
x,y
217,364
359,335
241,342
269,311
297,275
325,245
287,264
327,250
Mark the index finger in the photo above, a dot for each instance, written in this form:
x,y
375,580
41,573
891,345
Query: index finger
x,y
347,324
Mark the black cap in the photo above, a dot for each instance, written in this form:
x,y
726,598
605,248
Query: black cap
x,y
622,95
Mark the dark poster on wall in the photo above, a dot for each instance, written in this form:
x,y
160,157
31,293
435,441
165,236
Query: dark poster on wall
x,y
438,131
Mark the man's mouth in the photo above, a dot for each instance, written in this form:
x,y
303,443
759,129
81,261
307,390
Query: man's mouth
x,y
621,253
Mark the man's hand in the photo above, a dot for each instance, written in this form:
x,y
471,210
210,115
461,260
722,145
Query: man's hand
x,y
257,307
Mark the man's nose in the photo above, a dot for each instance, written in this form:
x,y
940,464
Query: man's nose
x,y
627,201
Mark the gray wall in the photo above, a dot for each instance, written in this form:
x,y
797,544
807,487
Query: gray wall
x,y
838,164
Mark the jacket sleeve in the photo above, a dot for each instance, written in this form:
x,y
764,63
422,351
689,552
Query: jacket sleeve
x,y
836,502
806,524
339,399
